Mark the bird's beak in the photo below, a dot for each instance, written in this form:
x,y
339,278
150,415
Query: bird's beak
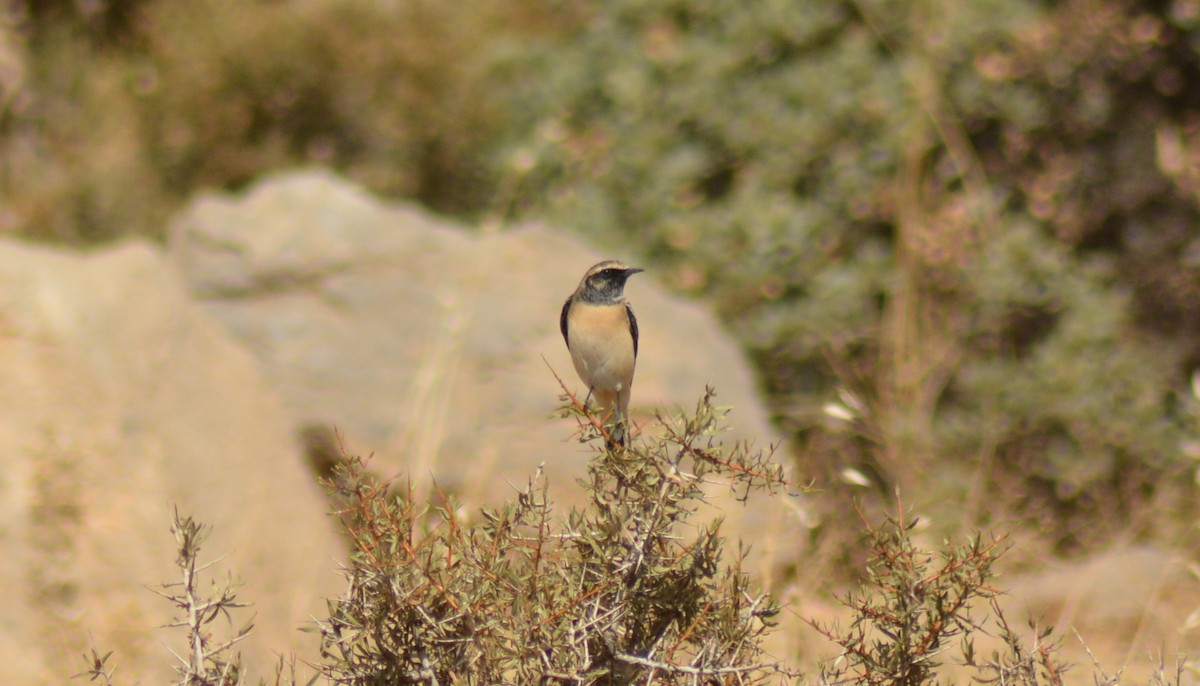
x,y
633,270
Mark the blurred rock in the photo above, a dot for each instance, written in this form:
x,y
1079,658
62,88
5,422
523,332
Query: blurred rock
x,y
1129,604
433,347
119,400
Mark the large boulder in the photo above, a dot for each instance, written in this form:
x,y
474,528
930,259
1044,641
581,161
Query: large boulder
x,y
121,399
434,347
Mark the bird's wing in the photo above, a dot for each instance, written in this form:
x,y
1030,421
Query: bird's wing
x,y
633,330
562,322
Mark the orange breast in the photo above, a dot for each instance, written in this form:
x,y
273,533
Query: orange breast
x,y
602,347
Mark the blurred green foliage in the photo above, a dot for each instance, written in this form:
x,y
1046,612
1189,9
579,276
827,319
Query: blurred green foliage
x,y
112,112
966,230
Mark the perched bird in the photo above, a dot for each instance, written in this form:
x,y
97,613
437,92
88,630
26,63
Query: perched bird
x,y
602,334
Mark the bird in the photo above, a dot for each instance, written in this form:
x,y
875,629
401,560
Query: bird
x,y
601,333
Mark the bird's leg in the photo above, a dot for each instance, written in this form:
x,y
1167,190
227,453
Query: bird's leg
x,y
613,422
616,431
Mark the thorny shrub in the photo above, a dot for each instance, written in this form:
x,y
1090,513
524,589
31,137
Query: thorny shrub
x,y
209,660
910,608
629,588
915,607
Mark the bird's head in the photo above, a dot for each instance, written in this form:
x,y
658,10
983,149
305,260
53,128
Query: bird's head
x,y
605,281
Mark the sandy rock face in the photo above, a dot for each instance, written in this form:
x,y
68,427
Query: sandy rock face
x,y
119,400
427,344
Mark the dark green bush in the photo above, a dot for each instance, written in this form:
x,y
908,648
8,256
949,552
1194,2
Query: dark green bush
x,y
948,214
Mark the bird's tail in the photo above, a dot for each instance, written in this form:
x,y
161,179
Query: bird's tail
x,y
618,430
613,419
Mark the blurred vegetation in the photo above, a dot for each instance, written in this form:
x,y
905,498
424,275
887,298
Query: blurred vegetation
x,y
113,111
966,231
959,240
